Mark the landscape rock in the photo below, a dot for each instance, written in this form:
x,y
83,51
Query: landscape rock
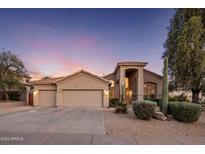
x,y
160,116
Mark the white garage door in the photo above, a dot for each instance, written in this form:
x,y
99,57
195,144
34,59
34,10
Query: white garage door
x,y
47,98
82,98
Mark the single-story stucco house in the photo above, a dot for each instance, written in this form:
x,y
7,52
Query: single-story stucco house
x,y
84,89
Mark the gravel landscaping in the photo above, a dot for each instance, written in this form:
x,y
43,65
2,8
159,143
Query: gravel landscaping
x,y
129,125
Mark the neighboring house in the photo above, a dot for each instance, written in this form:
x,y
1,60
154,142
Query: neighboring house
x,y
84,89
186,93
18,93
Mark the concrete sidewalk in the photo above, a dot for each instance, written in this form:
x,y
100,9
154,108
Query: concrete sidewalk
x,y
19,138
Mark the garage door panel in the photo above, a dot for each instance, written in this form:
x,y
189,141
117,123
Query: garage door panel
x,y
82,98
47,98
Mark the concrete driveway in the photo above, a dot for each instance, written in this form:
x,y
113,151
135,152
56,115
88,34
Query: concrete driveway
x,y
70,126
55,120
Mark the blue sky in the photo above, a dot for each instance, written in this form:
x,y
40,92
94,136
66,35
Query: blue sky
x,y
57,42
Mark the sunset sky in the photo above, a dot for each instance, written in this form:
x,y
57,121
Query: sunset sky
x,y
57,42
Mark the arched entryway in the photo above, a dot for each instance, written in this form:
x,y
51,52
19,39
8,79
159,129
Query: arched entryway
x,y
131,75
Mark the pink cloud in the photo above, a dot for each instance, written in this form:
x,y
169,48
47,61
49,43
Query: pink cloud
x,y
54,64
35,75
48,56
82,41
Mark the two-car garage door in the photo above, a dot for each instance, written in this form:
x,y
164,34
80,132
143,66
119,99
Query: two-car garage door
x,y
82,98
73,98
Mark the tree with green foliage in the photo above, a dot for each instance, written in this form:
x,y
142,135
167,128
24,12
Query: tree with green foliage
x,y
12,70
165,87
185,49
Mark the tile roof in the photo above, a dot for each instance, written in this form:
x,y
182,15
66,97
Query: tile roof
x,y
85,72
46,81
158,75
59,79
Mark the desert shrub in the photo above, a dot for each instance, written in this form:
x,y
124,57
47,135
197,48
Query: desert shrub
x,y
14,95
157,100
180,98
185,111
144,109
121,107
113,102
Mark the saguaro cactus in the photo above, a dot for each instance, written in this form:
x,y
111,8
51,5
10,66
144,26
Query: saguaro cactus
x,y
165,87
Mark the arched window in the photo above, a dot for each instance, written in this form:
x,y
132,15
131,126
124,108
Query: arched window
x,y
150,90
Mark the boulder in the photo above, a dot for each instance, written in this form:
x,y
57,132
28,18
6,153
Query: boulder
x,y
160,116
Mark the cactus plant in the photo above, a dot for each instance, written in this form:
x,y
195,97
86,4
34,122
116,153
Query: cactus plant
x,y
123,98
165,87
122,104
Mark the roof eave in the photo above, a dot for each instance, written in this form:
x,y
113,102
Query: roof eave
x,y
43,84
158,75
130,64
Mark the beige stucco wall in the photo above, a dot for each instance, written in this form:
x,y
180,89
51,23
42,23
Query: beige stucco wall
x,y
140,84
150,77
117,85
82,81
36,93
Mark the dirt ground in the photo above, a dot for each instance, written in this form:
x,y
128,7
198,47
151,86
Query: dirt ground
x,y
128,124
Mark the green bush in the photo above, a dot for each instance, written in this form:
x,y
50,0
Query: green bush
x,y
180,98
121,108
157,100
144,109
185,111
113,102
13,95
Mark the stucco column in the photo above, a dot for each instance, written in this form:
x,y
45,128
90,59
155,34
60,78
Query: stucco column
x,y
27,94
59,97
122,80
35,97
140,85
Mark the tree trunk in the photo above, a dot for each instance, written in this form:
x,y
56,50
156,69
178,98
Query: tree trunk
x,y
195,96
6,96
